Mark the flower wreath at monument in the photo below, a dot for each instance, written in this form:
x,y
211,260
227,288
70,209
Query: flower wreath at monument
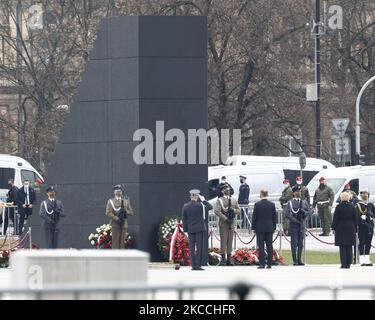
x,y
103,238
173,243
248,256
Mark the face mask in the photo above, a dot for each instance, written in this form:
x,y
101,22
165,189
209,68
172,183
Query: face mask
x,y
299,182
26,185
286,185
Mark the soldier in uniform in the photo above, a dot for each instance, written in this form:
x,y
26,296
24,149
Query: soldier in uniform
x,y
26,198
305,195
194,215
118,209
366,212
51,210
297,211
353,196
286,195
221,186
323,200
243,200
226,208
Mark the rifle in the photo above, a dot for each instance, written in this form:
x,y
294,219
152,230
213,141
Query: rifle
x,y
230,212
122,213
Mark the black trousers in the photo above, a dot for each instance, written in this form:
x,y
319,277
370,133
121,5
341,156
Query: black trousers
x,y
9,213
296,240
23,216
51,234
346,255
265,237
195,248
365,239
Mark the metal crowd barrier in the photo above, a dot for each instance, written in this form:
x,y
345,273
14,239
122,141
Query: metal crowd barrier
x,y
240,291
335,290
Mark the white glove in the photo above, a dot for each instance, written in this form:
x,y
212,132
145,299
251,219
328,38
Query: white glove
x,y
201,197
363,217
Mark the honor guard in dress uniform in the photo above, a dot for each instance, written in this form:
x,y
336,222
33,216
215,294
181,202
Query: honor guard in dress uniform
x,y
51,211
297,211
226,208
286,195
194,215
243,200
26,198
366,212
305,195
220,187
323,200
118,209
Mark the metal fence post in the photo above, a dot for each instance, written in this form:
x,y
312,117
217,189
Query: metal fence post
x,y
30,239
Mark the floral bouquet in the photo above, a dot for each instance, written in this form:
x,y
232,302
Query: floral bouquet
x,y
277,259
214,257
173,242
102,239
245,257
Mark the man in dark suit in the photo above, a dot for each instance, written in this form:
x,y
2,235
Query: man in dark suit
x,y
264,225
11,198
193,222
26,197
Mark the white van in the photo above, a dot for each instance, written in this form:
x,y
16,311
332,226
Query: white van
x,y
358,177
290,165
257,177
18,169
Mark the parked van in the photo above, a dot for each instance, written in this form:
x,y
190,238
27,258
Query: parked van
x,y
258,177
290,165
358,177
18,169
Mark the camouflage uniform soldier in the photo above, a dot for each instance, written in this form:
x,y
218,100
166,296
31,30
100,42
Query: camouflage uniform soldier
x,y
286,196
305,195
323,199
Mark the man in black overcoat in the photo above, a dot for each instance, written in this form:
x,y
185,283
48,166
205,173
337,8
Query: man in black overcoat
x,y
264,225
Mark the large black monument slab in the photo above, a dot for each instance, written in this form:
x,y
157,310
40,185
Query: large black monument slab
x,y
141,70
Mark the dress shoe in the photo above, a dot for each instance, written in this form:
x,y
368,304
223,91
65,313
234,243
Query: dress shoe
x,y
269,267
295,263
261,267
197,269
300,263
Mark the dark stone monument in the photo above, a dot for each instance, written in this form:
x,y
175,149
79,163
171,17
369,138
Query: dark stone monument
x,y
141,70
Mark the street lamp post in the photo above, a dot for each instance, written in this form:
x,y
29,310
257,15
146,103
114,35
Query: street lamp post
x,y
317,76
358,122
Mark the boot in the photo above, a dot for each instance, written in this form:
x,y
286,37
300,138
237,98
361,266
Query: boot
x,y
299,259
222,263
367,261
294,256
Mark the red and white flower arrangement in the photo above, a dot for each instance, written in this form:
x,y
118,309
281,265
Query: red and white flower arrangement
x,y
102,239
251,257
173,242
